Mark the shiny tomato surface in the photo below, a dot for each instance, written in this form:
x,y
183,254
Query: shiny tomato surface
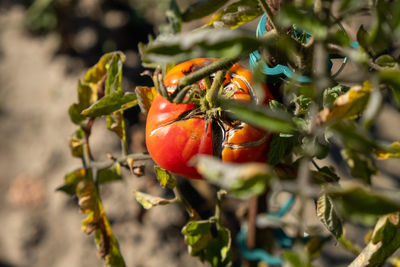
x,y
177,132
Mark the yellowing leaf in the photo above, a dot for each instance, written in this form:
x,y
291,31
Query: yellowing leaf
x,y
392,151
347,105
149,201
165,178
145,96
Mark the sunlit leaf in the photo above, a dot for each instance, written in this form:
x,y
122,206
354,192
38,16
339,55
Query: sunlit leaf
x,y
392,151
97,222
109,103
348,105
241,180
208,247
76,142
202,8
145,96
384,242
260,116
71,181
328,215
331,94
165,178
237,14
110,174
116,123
149,201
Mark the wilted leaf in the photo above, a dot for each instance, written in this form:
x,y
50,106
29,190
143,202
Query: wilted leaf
x,y
392,151
76,143
202,8
237,14
110,103
145,96
149,201
348,105
203,244
362,166
165,178
242,180
97,222
116,123
328,215
384,242
259,116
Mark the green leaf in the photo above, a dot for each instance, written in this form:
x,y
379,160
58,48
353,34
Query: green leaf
x,y
354,199
110,174
110,103
258,116
202,8
280,147
290,14
237,14
363,38
149,201
165,178
241,180
76,143
202,43
331,94
203,244
302,104
386,61
116,123
391,77
114,77
362,166
389,152
297,257
384,242
71,181
328,215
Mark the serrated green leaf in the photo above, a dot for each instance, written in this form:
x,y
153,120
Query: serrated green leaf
x,y
202,8
258,116
165,178
280,147
109,103
331,94
237,14
202,243
241,180
328,215
149,201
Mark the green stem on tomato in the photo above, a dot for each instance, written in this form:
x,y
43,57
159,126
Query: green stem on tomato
x,y
212,93
223,63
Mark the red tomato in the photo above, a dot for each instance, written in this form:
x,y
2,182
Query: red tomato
x,y
174,134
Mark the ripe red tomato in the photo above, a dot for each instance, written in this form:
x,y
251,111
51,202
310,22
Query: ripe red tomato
x,y
177,132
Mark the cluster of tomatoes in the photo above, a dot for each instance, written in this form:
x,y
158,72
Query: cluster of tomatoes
x,y
177,132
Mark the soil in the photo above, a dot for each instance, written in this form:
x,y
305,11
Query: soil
x,y
41,227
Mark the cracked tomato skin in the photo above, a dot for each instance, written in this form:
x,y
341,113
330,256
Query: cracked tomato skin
x,y
172,140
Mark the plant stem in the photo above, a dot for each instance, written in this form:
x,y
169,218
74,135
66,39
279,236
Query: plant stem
x,y
212,93
192,212
267,10
223,63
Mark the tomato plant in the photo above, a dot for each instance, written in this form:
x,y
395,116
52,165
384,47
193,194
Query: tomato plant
x,y
177,132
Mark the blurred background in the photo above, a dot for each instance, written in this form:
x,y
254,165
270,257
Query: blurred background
x,y
46,46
